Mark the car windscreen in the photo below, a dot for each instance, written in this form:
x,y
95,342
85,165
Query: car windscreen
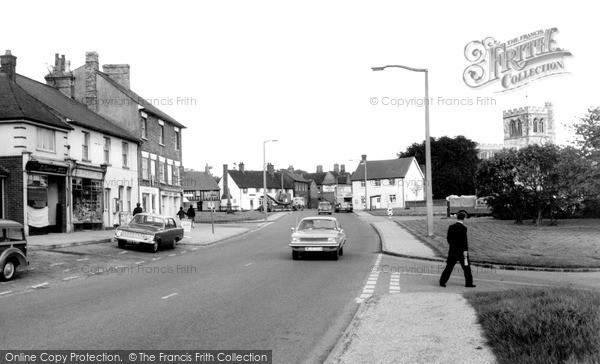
x,y
144,220
317,224
11,234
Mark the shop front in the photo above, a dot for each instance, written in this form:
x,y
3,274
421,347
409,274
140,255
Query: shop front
x,y
46,197
87,199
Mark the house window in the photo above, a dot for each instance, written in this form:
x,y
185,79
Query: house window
x,y
144,168
45,139
153,170
177,177
85,147
377,183
106,150
161,172
125,154
144,126
129,199
362,184
392,198
392,181
169,174
177,139
162,135
245,190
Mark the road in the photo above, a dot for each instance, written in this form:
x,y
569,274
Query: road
x,y
245,293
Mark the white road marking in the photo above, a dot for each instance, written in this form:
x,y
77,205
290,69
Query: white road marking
x,y
40,285
194,248
183,252
171,295
83,259
59,263
369,287
67,270
5,292
249,264
156,258
143,261
123,252
395,283
69,278
172,255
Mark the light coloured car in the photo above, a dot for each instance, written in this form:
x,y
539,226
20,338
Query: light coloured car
x,y
324,208
13,249
318,235
149,230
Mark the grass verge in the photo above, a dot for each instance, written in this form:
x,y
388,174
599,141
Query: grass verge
x,y
557,325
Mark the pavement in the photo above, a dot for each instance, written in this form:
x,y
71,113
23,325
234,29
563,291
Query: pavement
x,y
411,327
201,234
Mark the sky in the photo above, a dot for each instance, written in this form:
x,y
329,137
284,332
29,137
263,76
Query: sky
x,y
238,73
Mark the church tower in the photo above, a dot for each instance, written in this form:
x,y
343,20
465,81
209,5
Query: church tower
x,y
528,125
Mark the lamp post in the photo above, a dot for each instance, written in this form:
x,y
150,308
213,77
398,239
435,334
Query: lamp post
x,y
427,143
265,176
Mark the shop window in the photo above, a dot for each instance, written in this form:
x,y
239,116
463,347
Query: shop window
x,y
37,190
46,139
87,200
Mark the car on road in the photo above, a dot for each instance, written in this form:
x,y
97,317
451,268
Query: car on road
x,y
149,230
324,208
13,249
320,235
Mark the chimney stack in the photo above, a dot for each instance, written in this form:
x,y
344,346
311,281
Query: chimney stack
x,y
336,168
118,72
241,165
271,169
8,65
342,168
319,169
364,157
207,168
91,88
61,77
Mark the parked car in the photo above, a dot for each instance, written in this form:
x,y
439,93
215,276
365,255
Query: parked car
x,y
149,230
324,208
13,249
318,234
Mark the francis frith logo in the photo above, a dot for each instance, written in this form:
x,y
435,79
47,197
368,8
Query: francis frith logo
x,y
516,62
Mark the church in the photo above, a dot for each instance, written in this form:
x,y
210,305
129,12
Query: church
x,y
522,127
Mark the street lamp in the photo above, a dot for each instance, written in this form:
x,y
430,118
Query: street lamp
x,y
427,144
265,175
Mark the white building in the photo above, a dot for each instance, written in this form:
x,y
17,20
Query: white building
x,y
389,183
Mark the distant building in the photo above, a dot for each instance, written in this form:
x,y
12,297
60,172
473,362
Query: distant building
x,y
199,188
528,125
326,182
390,183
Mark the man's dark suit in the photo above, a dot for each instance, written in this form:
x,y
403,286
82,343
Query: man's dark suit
x,y
457,239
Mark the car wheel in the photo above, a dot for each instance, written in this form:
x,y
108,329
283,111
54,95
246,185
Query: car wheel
x,y
122,244
155,246
8,271
174,243
341,251
295,255
336,254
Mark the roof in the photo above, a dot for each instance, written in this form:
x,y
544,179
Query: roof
x,y
199,181
317,177
297,177
16,103
76,112
389,168
254,179
141,101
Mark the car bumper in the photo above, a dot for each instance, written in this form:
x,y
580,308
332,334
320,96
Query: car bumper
x,y
132,241
314,247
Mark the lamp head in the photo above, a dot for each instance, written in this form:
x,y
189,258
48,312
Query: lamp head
x,y
377,68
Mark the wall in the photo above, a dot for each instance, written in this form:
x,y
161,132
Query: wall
x,y
13,188
20,133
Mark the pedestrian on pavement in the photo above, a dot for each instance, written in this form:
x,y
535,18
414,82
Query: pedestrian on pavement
x,y
191,214
137,209
181,213
458,252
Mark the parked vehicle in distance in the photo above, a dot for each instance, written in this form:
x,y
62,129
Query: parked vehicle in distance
x,y
343,199
324,208
469,204
13,249
149,230
318,234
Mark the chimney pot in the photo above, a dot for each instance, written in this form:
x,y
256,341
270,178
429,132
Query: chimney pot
x,y
8,65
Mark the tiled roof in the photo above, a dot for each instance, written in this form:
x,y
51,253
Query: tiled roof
x,y
390,168
141,101
199,181
254,179
317,177
296,177
16,103
76,112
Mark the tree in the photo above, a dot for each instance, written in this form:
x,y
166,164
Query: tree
x,y
588,133
453,164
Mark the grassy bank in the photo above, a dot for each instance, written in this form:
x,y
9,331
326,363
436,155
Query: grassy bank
x,y
558,325
223,217
571,244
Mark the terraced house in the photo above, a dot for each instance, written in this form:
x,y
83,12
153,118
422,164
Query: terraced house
x,y
159,157
60,156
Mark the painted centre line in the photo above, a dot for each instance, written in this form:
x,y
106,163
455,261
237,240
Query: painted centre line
x,y
172,255
125,252
54,264
143,261
69,278
83,259
194,248
5,292
168,296
249,264
40,285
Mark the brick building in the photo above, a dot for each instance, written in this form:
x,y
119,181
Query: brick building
x,y
108,93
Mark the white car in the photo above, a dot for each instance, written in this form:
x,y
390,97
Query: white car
x,y
318,235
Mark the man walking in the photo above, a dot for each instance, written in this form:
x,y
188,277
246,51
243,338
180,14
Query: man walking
x,y
138,209
181,213
458,252
191,213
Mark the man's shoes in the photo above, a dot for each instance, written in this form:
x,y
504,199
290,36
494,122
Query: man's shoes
x,y
470,286
442,284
